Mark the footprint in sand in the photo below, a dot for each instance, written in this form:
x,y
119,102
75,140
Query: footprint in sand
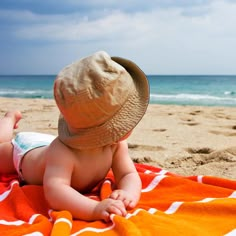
x,y
230,127
48,107
195,159
142,159
230,132
194,113
204,150
188,121
225,133
145,147
159,130
203,156
192,123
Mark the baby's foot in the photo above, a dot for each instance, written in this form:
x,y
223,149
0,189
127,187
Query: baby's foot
x,y
16,116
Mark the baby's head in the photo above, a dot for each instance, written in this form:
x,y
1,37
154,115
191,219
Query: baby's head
x,y
101,99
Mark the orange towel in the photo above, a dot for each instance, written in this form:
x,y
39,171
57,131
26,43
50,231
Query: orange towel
x,y
169,205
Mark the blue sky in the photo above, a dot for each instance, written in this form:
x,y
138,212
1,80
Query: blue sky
x,y
162,37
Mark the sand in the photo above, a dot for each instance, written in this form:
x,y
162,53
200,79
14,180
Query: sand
x,y
186,140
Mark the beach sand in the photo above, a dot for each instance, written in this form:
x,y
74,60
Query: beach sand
x,y
185,140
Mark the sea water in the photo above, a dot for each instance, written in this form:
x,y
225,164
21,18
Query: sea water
x,y
26,86
217,90
204,90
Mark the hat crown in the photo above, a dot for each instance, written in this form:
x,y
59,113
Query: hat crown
x,y
90,91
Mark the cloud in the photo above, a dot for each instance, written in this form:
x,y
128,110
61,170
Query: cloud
x,y
71,6
115,26
170,37
211,20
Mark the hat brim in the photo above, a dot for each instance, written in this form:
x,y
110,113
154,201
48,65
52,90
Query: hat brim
x,y
128,116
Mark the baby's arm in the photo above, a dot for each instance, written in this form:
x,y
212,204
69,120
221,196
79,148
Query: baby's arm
x,y
127,179
61,196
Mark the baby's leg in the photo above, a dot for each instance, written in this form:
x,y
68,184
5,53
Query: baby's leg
x,y
7,125
6,158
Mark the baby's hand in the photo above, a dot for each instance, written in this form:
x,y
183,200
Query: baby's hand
x,y
128,200
109,206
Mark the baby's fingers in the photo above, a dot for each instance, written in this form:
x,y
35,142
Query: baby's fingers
x,y
130,204
115,195
106,216
126,199
119,195
117,208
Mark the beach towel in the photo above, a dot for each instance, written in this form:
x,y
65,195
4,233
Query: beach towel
x,y
169,205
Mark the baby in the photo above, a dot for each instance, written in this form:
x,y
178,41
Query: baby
x,y
101,99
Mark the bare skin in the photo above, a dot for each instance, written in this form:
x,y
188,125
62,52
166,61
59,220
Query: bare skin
x,y
7,125
67,173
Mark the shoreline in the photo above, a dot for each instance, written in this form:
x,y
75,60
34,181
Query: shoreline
x,y
185,140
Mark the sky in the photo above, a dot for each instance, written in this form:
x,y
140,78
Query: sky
x,y
160,36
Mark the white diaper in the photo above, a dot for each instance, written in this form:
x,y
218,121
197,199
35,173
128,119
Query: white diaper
x,y
26,141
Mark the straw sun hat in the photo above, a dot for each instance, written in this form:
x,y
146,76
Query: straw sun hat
x,y
101,99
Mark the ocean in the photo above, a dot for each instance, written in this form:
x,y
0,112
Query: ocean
x,y
203,90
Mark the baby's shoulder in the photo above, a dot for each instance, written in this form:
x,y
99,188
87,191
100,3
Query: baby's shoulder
x,y
119,145
59,150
